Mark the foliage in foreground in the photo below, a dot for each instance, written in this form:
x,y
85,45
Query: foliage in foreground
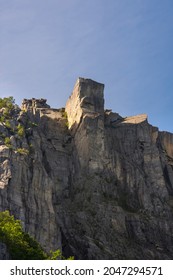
x,y
21,245
7,104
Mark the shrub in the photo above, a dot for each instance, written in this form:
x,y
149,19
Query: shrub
x,y
64,115
21,245
7,102
2,119
57,255
6,113
7,142
22,151
20,130
7,124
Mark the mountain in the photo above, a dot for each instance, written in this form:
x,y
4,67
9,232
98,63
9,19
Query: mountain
x,y
86,180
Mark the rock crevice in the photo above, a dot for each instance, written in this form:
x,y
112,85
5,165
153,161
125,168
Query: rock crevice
x,y
88,181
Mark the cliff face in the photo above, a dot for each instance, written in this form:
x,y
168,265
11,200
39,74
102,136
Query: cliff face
x,y
87,181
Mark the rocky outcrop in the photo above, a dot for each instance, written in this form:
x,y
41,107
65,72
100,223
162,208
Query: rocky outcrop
x,y
86,100
85,113
5,170
34,103
88,181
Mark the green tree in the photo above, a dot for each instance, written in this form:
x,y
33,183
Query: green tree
x,y
7,102
21,245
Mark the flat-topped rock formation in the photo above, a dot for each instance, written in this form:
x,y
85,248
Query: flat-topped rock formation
x,y
34,103
86,98
86,180
135,119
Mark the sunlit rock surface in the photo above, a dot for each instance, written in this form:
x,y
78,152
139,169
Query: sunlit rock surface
x,y
92,183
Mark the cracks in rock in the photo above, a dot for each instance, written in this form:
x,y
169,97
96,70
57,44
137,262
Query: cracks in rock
x,y
46,163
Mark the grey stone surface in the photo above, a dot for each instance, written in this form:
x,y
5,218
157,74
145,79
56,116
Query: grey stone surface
x,y
94,184
34,103
4,255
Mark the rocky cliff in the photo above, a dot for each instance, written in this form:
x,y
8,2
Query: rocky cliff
x,y
86,180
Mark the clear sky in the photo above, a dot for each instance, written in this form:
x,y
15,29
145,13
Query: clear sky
x,y
45,45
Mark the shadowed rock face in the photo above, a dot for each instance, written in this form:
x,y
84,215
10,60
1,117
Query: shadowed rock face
x,y
96,185
3,252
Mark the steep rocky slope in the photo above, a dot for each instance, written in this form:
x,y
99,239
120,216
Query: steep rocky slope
x,y
88,181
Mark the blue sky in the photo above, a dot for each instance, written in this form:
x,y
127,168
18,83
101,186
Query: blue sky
x,y
45,45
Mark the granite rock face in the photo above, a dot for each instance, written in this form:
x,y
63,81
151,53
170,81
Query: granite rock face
x,y
4,255
88,181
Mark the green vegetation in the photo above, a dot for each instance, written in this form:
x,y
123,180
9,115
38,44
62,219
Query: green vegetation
x,y
7,124
2,119
33,124
7,118
22,151
65,116
7,104
57,255
20,130
7,142
67,124
21,245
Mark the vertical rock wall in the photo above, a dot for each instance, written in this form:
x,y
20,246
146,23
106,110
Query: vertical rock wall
x,y
85,112
88,181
